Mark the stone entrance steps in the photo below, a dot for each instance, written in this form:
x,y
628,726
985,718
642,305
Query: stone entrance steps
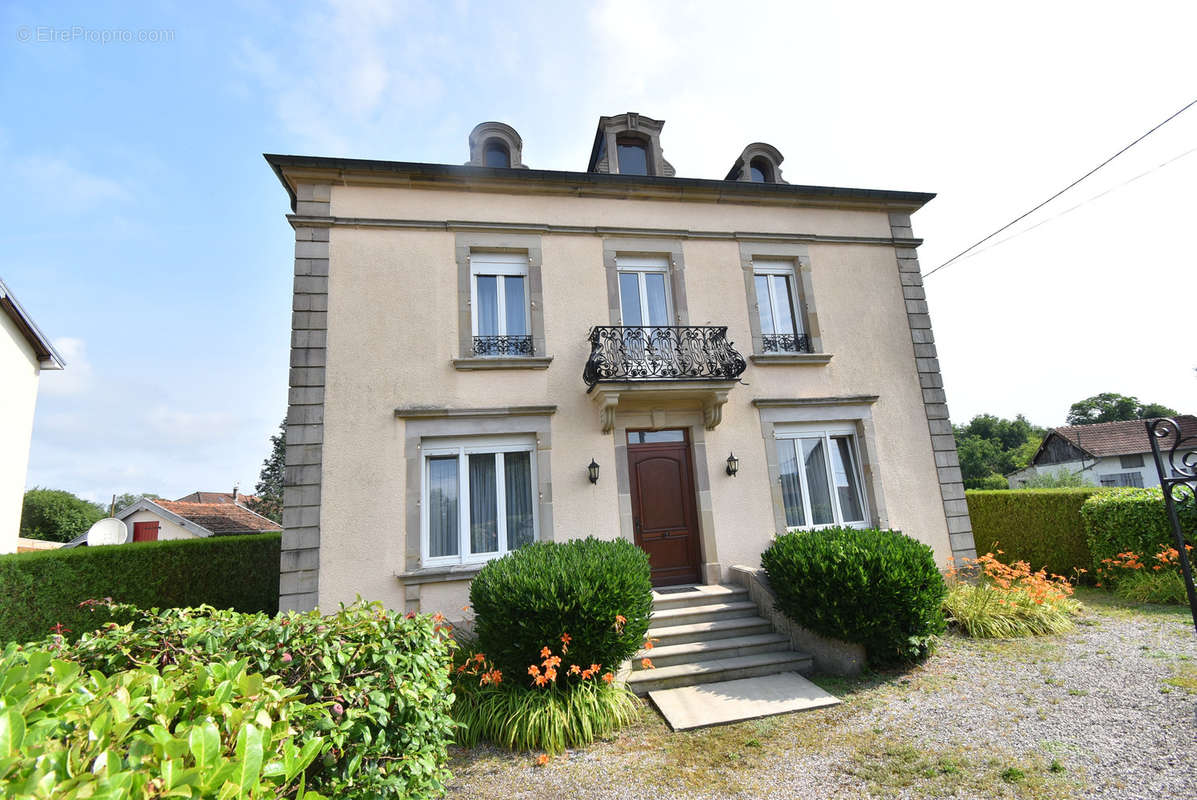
x,y
706,634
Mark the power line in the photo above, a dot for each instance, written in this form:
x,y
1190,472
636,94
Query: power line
x,y
1026,214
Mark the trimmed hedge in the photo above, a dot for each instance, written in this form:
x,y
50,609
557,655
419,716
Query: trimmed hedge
x,y
1121,520
881,589
530,598
1040,526
44,589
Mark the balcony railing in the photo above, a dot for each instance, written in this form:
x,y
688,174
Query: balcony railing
x,y
690,352
785,343
503,345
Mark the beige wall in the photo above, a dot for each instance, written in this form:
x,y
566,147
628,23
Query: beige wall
x,y
19,372
393,310
167,529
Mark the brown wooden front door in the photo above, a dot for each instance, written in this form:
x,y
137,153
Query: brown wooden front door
x,y
664,514
145,531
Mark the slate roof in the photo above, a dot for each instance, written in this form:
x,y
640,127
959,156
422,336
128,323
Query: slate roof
x,y
1123,438
220,517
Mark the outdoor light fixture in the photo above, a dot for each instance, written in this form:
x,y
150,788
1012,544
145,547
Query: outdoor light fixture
x,y
733,464
593,469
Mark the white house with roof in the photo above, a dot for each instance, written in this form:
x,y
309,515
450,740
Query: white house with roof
x,y
24,352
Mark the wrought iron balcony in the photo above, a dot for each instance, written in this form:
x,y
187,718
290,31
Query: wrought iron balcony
x,y
690,352
785,343
503,345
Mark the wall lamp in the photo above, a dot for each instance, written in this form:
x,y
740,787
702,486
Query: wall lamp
x,y
733,464
593,470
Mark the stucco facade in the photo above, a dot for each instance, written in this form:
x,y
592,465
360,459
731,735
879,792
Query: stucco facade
x,y
168,529
379,373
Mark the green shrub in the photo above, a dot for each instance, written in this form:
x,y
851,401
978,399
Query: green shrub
x,y
203,730
533,596
45,588
381,677
880,589
991,481
55,515
1165,587
1131,520
1060,479
1040,526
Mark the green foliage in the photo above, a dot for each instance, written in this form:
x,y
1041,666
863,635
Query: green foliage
x,y
541,719
1132,520
1113,407
984,611
45,588
55,515
527,599
381,678
127,499
1040,526
1061,479
877,588
195,731
989,447
1165,587
268,494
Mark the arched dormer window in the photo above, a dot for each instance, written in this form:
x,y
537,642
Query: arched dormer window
x,y
758,163
629,144
760,170
496,154
633,155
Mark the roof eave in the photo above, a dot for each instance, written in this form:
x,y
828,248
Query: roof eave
x,y
48,357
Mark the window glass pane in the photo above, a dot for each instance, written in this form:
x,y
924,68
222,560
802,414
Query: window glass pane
x,y
442,506
487,300
629,298
517,314
484,504
496,155
791,485
762,302
757,175
517,474
653,437
815,460
785,303
633,158
1131,461
658,308
847,487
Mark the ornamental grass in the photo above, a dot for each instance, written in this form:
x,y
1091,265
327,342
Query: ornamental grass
x,y
1156,580
1006,601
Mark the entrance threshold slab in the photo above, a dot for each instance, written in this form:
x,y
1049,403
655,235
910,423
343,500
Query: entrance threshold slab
x,y
691,707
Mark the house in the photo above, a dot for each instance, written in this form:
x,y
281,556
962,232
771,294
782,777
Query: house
x,y
485,355
24,353
1103,453
218,497
160,520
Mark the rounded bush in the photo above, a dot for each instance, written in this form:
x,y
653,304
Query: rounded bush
x,y
880,589
532,597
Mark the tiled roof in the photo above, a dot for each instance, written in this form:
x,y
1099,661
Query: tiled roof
x,y
215,497
1119,438
220,517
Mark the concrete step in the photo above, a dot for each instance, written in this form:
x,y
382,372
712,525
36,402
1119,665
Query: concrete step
x,y
718,669
706,612
667,635
712,648
698,595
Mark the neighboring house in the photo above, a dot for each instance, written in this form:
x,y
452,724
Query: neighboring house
x,y
159,520
488,355
24,353
218,497
1104,453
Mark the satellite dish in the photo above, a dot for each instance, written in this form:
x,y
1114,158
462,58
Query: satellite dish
x,y
107,531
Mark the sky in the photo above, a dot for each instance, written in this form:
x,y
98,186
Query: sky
x,y
148,239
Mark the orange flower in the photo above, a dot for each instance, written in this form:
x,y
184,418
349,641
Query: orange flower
x,y
438,617
648,644
540,680
647,663
608,677
586,674
542,759
595,667
552,661
620,621
575,669
534,670
550,674
545,652
480,657
566,639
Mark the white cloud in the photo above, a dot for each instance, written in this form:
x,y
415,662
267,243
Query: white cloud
x,y
76,378
54,179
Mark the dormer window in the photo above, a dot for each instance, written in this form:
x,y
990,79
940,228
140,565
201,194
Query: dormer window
x,y
496,154
760,170
633,156
758,163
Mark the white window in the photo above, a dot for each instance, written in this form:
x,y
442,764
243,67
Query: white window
x,y
777,303
499,304
821,479
479,498
644,297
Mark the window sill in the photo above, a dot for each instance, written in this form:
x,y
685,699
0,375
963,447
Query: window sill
x,y
453,572
768,359
503,362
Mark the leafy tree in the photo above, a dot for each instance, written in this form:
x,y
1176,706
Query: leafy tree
x,y
268,492
127,499
990,446
55,515
1113,407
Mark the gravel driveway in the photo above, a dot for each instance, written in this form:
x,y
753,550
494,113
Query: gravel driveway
x,y
1106,711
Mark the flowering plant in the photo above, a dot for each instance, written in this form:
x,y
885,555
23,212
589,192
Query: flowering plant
x,y
988,598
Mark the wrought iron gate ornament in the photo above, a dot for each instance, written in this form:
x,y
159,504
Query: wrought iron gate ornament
x,y
1178,481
